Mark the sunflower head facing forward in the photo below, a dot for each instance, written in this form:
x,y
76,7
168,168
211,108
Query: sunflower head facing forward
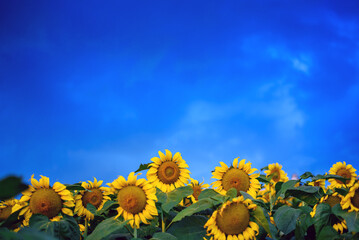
x,y
136,198
94,194
233,221
278,175
168,172
238,176
41,198
343,170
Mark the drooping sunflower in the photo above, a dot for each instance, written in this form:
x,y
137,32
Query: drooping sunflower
x,y
167,172
238,176
343,170
94,194
136,198
6,208
278,175
338,224
351,200
233,221
41,198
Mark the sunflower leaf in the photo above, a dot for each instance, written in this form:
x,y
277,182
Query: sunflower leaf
x,y
10,187
231,193
66,228
261,219
351,218
306,175
108,204
286,218
328,232
262,178
163,236
321,217
201,205
143,167
75,186
191,228
175,197
329,176
161,196
208,193
106,228
91,208
308,194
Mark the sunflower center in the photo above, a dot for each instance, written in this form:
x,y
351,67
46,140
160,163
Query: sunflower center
x,y
168,172
276,176
355,199
234,219
132,199
196,191
5,213
332,200
345,174
317,184
236,178
94,197
46,202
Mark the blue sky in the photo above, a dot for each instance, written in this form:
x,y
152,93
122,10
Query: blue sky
x,y
92,88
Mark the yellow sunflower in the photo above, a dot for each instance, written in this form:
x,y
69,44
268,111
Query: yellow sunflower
x,y
351,200
197,189
167,172
233,221
41,198
278,175
332,200
136,198
318,183
6,208
238,176
94,194
343,170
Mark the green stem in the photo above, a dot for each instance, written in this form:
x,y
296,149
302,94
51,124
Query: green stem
x,y
163,223
86,227
135,232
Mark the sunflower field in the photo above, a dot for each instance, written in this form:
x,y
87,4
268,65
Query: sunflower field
x,y
242,203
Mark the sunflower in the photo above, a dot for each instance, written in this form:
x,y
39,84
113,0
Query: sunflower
x,y
351,200
136,198
233,221
343,170
332,199
236,176
197,189
6,208
318,183
167,172
94,194
278,175
41,198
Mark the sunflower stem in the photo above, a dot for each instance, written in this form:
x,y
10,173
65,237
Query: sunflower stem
x,y
135,232
86,227
163,223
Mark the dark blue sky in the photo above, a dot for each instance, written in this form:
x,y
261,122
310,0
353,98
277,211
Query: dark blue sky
x,y
93,88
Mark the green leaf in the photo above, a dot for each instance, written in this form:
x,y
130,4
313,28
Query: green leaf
x,y
108,204
327,233
207,193
261,219
286,218
303,223
265,168
190,228
351,218
321,217
74,187
143,167
231,193
329,176
7,234
10,187
34,234
161,196
163,236
306,175
175,197
106,228
201,205
308,194
281,189
262,178
66,228
246,196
